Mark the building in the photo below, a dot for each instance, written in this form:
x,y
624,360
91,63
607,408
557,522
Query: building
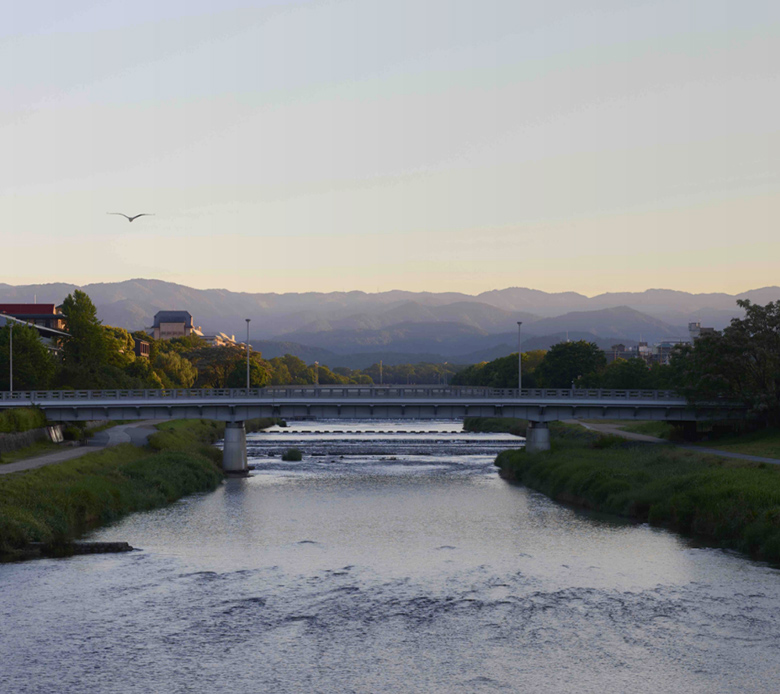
x,y
51,337
142,348
44,315
221,340
170,324
697,331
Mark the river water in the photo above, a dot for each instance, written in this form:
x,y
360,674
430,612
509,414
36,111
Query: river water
x,y
394,561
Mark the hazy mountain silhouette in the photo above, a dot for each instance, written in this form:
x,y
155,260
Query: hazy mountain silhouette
x,y
444,325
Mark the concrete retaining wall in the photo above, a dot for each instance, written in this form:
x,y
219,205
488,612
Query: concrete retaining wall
x,y
13,442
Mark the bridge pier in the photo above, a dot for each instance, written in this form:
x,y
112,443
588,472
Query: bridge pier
x,y
234,453
537,437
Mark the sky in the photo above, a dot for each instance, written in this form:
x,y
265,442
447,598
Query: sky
x,y
427,145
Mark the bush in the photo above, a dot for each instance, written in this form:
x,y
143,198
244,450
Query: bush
x,y
21,419
292,454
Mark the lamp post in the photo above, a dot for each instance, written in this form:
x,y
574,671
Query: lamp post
x,y
247,352
316,373
11,357
519,360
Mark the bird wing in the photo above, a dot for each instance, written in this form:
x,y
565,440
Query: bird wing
x,y
143,214
121,214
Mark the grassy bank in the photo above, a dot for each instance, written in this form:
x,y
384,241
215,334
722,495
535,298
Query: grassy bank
x,y
724,502
495,425
17,420
765,443
55,504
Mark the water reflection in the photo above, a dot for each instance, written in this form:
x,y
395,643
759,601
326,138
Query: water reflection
x,y
388,571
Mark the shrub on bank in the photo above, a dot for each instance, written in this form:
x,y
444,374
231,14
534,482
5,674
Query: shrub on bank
x,y
56,503
292,454
16,420
731,503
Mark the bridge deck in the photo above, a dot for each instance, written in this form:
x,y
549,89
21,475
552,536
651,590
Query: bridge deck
x,y
365,402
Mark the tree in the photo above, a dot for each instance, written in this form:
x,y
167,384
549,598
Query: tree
x,y
87,345
34,367
627,374
578,362
742,363
501,372
259,373
174,370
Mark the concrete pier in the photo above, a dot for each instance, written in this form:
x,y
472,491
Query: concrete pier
x,y
234,453
537,437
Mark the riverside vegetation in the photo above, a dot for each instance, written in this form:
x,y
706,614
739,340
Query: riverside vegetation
x,y
728,503
56,504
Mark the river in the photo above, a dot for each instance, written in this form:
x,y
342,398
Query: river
x,y
392,561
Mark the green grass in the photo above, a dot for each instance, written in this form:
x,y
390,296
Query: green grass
x,y
725,502
38,448
661,430
764,443
505,425
57,503
21,419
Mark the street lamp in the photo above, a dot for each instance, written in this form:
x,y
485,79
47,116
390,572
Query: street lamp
x,y
519,360
316,373
247,352
11,357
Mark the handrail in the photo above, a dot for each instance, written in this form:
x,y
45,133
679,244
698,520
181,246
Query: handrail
x,y
346,391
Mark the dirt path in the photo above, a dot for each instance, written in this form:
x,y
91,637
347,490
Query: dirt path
x,y
617,431
136,433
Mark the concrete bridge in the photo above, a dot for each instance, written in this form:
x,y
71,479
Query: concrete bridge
x,y
234,406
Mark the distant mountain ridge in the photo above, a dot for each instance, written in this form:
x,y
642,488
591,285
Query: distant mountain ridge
x,y
447,324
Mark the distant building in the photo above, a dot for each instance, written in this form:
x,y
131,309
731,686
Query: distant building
x,y
697,331
45,315
170,324
221,340
142,348
51,337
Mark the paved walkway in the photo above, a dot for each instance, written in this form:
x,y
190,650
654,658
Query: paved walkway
x,y
136,433
617,431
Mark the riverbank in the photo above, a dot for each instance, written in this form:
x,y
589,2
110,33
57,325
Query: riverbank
x,y
727,503
56,504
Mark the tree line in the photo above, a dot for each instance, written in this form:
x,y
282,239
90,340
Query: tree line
x,y
96,356
741,364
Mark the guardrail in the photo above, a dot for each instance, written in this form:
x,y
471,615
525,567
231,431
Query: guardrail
x,y
367,392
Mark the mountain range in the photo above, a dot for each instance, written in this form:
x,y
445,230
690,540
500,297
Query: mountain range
x,y
349,328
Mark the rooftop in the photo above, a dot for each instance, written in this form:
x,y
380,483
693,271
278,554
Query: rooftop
x,y
172,317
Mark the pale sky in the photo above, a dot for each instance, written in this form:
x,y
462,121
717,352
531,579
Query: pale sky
x,y
441,145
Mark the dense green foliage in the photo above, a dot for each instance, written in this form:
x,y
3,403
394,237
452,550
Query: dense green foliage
x,y
501,372
34,367
495,425
730,503
581,364
21,419
742,363
571,364
423,373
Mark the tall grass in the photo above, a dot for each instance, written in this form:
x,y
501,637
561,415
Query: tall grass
x,y
57,503
729,503
21,419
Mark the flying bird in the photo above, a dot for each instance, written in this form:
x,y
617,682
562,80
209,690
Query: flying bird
x,y
130,219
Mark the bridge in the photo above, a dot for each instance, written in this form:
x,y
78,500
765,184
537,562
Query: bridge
x,y
236,405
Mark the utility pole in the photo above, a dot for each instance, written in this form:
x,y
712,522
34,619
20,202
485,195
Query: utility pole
x,y
247,353
316,373
380,372
519,360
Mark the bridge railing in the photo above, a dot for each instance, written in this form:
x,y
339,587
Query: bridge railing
x,y
349,392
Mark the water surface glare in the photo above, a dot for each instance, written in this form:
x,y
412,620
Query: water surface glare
x,y
393,561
